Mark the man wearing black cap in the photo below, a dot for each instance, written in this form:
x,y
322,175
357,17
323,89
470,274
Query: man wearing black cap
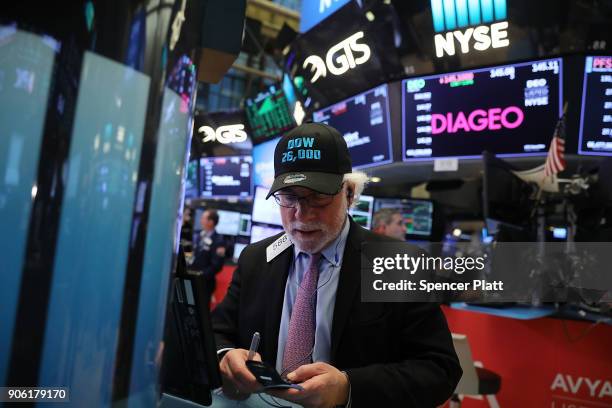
x,y
301,291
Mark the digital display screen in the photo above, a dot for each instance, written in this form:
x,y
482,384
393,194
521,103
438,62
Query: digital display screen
x,y
238,247
263,163
229,222
226,176
269,114
362,211
507,110
191,180
596,113
417,214
245,225
364,122
265,211
259,232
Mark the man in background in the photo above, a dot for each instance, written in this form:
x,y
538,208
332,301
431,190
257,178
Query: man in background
x,y
389,222
209,251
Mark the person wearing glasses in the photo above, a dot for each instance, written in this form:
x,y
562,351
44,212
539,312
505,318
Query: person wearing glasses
x,y
301,291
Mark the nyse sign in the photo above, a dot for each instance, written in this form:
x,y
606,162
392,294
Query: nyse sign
x,y
224,134
481,38
345,55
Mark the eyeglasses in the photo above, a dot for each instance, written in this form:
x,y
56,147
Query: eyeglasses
x,y
314,200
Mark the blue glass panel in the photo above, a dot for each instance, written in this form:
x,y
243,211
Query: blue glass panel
x,y
315,11
449,14
160,243
474,8
500,9
462,13
487,10
26,63
94,233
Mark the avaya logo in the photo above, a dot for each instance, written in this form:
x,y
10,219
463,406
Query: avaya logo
x,y
338,63
224,134
451,15
478,120
596,388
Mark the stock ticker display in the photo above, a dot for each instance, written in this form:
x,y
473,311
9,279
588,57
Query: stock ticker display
x,y
268,114
226,176
364,122
596,112
508,110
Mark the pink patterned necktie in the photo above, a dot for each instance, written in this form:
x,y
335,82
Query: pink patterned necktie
x,y
301,333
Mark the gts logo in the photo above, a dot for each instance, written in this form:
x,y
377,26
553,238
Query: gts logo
x,y
339,58
224,134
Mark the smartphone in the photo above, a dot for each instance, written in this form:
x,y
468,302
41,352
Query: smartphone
x,y
267,376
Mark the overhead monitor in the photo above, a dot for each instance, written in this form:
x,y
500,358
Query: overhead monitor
x,y
229,222
364,122
226,176
259,232
362,211
244,227
265,211
417,215
263,163
238,247
269,114
508,110
596,113
191,179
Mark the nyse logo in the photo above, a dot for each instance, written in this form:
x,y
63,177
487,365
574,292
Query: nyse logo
x,y
345,55
451,15
224,134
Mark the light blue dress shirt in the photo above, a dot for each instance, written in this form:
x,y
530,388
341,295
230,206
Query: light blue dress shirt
x,y
329,273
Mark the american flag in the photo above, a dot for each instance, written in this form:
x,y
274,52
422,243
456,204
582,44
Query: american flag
x,y
555,160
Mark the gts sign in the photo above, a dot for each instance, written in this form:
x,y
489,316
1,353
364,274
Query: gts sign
x,y
223,134
345,55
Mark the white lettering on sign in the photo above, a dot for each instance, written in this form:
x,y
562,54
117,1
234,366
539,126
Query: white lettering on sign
x,y
480,38
569,384
340,58
224,134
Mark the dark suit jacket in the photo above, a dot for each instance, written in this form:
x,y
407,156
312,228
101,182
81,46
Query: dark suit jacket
x,y
206,258
395,354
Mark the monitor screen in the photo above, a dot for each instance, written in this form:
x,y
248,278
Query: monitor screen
x,y
245,225
265,211
238,247
596,113
362,212
364,122
508,110
226,176
259,232
191,179
263,163
268,114
417,214
229,222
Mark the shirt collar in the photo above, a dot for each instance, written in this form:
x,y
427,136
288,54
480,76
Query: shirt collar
x,y
329,252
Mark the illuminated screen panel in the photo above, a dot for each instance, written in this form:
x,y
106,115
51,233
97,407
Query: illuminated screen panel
x,y
507,110
229,222
259,232
265,211
263,163
191,179
596,113
269,114
226,176
417,214
362,211
363,121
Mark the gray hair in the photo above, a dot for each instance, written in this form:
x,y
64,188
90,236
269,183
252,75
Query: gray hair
x,y
384,216
356,181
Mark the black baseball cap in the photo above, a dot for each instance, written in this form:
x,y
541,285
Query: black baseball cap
x,y
312,155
